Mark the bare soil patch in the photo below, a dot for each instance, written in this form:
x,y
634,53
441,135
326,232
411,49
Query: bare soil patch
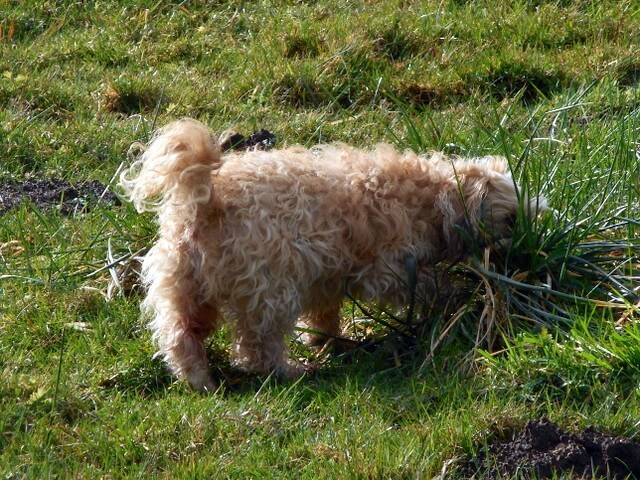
x,y
543,449
54,192
71,197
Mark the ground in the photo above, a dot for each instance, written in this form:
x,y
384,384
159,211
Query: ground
x,y
54,193
543,449
71,197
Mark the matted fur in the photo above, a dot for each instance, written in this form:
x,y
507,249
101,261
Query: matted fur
x,y
268,238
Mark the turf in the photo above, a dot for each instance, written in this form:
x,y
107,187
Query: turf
x,y
552,85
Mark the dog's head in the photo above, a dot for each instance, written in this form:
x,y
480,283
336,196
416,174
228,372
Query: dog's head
x,y
487,203
504,202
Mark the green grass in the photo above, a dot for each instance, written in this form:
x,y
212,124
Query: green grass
x,y
552,85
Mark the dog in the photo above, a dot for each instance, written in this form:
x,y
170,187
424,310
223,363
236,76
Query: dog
x,y
264,239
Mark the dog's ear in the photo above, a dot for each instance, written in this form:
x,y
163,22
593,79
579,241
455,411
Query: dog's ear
x,y
466,232
461,236
459,223
463,227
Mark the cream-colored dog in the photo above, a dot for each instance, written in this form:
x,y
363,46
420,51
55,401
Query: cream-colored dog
x,y
263,239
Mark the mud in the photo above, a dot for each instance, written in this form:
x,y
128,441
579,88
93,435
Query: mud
x,y
68,197
542,449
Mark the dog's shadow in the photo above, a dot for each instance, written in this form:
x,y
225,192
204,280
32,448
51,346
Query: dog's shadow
x,y
378,362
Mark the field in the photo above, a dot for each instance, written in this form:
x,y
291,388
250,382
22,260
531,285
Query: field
x,y
554,86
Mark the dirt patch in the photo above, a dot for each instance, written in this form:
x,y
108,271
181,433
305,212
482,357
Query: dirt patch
x,y
260,140
54,192
542,449
71,198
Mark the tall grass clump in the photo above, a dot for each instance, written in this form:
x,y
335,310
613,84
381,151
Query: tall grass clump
x,y
580,254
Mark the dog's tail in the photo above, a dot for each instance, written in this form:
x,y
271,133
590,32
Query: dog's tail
x,y
175,170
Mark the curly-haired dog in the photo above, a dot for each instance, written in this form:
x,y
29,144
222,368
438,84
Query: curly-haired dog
x,y
268,238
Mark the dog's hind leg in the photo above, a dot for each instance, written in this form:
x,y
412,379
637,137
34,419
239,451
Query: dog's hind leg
x,y
181,320
180,332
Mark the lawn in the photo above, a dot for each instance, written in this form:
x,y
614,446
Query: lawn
x,y
552,85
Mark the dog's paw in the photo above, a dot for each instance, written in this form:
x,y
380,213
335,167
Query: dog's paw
x,y
202,382
310,339
293,370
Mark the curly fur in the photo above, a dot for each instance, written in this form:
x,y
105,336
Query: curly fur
x,y
272,237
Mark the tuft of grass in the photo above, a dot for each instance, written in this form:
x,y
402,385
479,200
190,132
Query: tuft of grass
x,y
396,43
421,96
583,255
572,366
130,97
302,44
517,77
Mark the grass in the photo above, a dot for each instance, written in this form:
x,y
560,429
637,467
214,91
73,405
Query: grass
x,y
551,85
